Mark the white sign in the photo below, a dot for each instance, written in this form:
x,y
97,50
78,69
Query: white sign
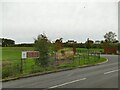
x,y
24,55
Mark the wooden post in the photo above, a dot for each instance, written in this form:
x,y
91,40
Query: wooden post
x,y
79,59
25,65
21,66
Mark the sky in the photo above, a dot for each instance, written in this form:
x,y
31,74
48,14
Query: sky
x,y
24,20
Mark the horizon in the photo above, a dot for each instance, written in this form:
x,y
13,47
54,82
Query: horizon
x,y
54,40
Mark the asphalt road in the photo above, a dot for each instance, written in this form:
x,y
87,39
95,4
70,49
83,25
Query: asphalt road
x,y
100,76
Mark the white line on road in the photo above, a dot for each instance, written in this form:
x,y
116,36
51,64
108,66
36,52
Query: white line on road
x,y
67,83
111,71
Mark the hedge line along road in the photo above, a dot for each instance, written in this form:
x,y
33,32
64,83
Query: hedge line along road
x,y
101,76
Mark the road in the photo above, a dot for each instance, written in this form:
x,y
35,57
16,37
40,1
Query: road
x,y
100,76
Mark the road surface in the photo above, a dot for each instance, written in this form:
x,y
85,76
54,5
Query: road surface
x,y
100,76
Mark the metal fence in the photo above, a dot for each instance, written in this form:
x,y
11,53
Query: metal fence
x,y
80,58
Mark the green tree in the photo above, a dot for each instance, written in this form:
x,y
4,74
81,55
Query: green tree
x,y
89,44
110,37
58,44
7,42
42,45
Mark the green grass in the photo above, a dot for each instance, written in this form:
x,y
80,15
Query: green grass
x,y
91,49
80,62
13,53
11,57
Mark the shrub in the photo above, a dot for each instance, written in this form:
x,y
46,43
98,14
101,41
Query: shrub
x,y
11,70
36,68
6,72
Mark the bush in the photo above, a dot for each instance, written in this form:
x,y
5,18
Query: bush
x,y
62,52
6,72
11,70
36,68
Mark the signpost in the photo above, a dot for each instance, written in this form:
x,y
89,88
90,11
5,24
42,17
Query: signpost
x,y
28,54
24,55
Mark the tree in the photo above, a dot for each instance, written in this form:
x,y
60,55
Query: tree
x,y
116,41
70,43
110,37
7,42
89,44
42,45
58,44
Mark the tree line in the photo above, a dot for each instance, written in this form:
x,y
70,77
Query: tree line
x,y
109,38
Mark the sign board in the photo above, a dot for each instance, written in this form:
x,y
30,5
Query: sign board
x,y
30,54
24,55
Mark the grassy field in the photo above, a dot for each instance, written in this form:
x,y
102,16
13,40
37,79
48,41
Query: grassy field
x,y
13,53
11,57
91,49
84,61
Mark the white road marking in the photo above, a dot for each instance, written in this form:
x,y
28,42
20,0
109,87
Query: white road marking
x,y
111,71
67,83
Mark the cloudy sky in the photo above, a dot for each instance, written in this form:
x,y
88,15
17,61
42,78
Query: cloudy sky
x,y
23,20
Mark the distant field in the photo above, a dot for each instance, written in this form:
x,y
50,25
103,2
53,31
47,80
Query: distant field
x,y
13,53
91,49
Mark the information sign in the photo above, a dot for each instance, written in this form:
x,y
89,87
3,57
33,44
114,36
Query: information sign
x,y
30,54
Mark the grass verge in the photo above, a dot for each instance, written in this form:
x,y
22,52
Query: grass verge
x,y
36,70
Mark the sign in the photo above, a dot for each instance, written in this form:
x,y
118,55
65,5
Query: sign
x,y
30,54
24,55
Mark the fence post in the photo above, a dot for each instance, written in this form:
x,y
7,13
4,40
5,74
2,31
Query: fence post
x,y
98,55
83,59
25,65
79,59
21,66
